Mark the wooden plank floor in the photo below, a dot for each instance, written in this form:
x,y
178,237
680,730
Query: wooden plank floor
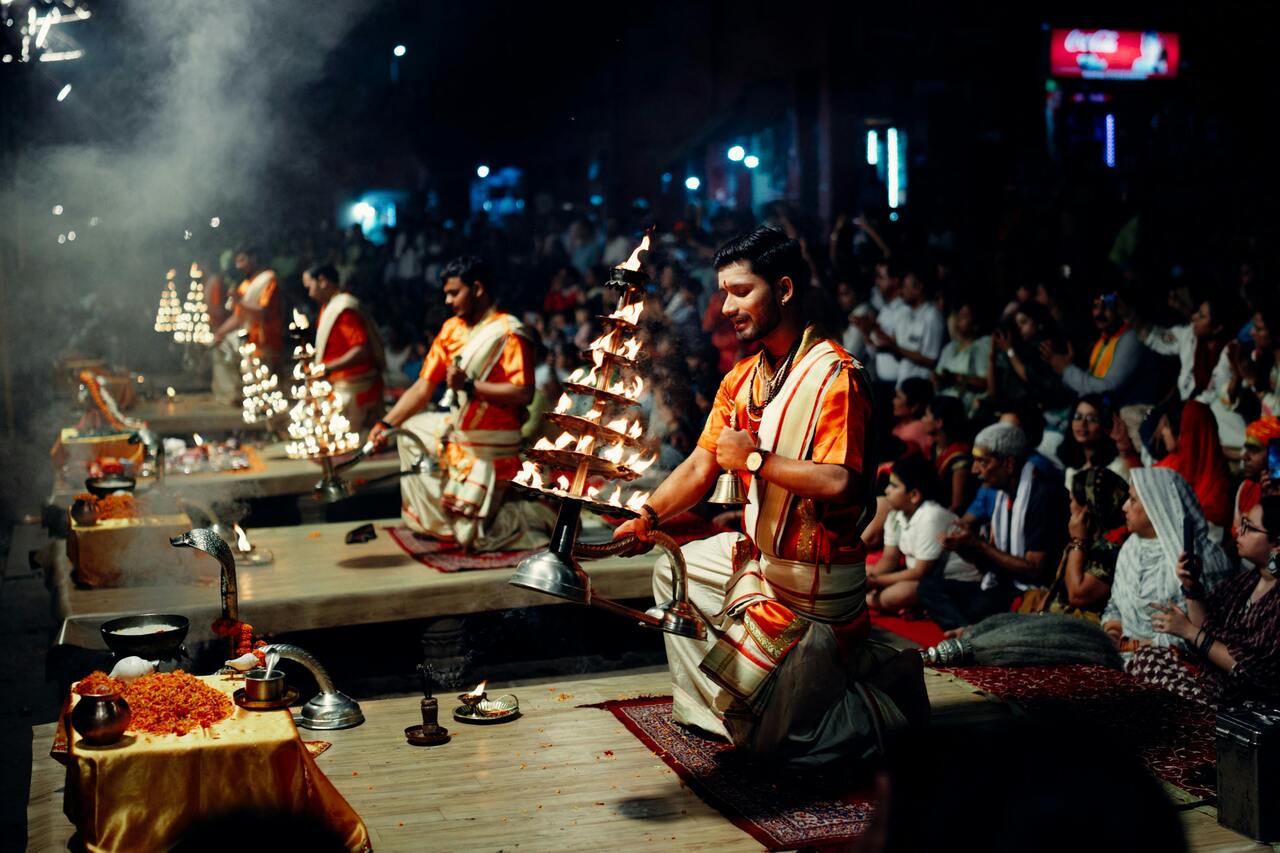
x,y
559,778
319,581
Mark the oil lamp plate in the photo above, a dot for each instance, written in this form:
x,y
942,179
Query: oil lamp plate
x,y
569,460
617,323
599,394
500,710
598,507
578,424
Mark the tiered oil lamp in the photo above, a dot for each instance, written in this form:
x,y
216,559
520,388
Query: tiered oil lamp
x,y
601,448
170,306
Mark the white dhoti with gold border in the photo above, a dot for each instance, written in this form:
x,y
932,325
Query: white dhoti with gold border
x,y
813,709
461,499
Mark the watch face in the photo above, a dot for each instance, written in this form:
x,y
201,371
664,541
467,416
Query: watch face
x,y
755,459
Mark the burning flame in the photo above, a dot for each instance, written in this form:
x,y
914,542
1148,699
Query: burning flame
x,y
565,404
479,688
562,483
195,270
171,274
594,414
197,439
637,430
630,349
637,500
170,393
619,425
563,441
300,320
242,541
543,444
612,454
629,313
633,263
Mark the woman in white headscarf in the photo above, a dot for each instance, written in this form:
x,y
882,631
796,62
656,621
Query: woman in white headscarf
x,y
1146,571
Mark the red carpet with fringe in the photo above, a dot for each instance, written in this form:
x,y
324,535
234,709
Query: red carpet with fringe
x,y
1174,737
779,809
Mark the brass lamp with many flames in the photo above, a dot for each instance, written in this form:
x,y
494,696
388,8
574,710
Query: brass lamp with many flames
x,y
599,449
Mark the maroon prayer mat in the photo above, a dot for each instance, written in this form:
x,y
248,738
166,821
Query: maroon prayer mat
x,y
779,809
449,556
1172,736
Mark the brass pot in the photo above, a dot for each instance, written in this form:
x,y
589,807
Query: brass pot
x,y
101,718
83,513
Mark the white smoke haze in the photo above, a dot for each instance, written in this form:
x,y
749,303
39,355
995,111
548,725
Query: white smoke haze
x,y
195,112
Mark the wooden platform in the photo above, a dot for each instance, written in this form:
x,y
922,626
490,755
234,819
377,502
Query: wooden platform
x,y
192,412
318,581
560,778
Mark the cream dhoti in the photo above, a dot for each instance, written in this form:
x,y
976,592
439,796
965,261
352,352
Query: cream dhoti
x,y
462,499
787,690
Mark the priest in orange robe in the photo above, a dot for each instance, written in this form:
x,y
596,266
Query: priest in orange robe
x,y
349,347
787,671
256,310
483,357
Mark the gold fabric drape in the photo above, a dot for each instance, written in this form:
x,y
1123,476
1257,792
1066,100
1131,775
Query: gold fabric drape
x,y
141,793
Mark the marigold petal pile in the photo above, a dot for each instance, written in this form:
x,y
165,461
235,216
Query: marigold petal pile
x,y
174,703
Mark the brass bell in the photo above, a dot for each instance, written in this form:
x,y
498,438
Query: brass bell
x,y
728,490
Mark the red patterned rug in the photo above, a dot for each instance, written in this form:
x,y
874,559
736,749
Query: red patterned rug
x,y
449,557
1174,737
781,810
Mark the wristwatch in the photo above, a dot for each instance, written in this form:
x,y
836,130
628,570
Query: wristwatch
x,y
755,460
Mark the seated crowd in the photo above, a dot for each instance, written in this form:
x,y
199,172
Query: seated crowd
x,y
1068,473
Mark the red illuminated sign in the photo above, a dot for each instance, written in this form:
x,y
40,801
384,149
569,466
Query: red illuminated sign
x,y
1113,54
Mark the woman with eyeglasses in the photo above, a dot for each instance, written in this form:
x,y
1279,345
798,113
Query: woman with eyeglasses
x,y
1096,439
1233,633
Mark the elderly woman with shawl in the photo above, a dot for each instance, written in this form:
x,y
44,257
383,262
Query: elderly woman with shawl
x,y
1062,626
1146,571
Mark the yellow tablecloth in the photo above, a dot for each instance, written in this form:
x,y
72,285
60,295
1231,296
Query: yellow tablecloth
x,y
140,793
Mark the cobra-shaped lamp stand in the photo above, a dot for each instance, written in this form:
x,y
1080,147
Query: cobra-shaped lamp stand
x,y
205,539
329,709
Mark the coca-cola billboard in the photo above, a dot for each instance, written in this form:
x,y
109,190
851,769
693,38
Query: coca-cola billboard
x,y
1113,54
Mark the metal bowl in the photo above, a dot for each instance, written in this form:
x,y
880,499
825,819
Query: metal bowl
x,y
158,644
100,487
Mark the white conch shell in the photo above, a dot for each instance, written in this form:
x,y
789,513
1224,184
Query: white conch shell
x,y
130,668
244,663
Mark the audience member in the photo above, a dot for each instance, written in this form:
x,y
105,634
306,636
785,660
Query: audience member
x,y
913,534
949,433
1233,633
1196,454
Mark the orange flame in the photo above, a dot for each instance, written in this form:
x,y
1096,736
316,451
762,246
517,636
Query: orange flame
x,y
563,441
633,262
565,404
195,271
479,688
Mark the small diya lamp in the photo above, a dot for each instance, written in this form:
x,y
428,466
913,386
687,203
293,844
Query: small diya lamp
x,y
248,554
471,701
477,707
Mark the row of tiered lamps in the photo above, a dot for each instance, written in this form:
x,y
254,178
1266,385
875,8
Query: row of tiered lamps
x,y
187,319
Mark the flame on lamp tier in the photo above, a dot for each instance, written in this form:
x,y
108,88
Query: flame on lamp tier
x,y
262,395
633,263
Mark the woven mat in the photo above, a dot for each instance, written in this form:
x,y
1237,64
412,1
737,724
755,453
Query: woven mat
x,y
450,557
1173,737
780,810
